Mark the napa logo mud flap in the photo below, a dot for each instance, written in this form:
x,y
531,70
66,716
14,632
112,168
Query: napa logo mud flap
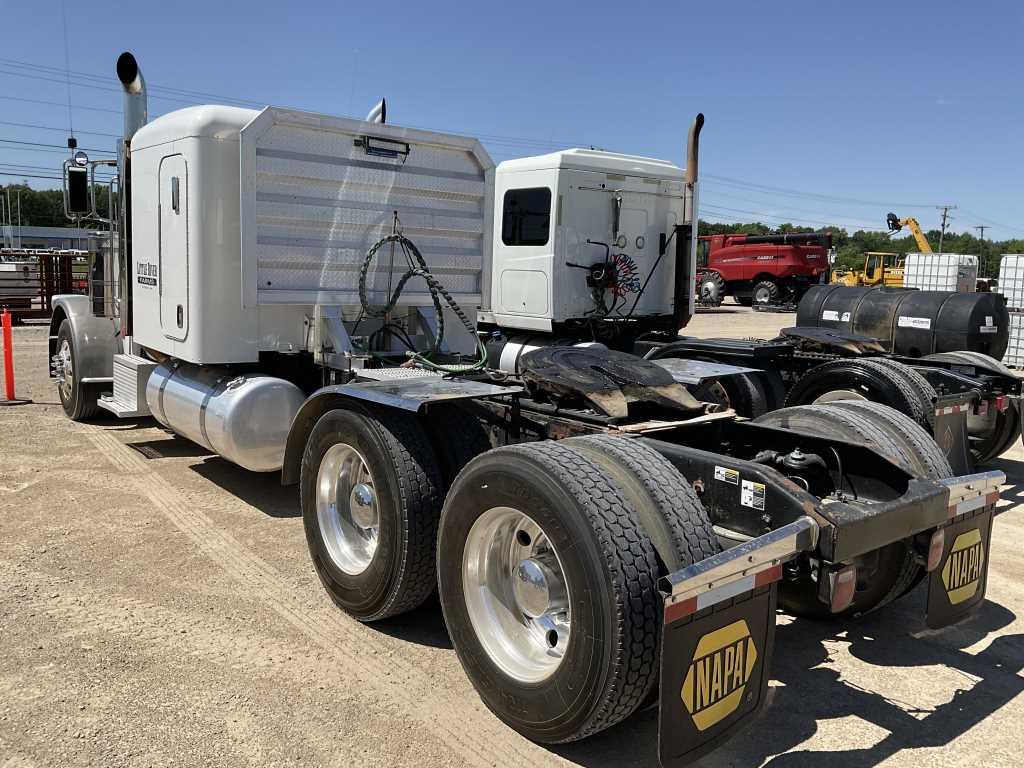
x,y
958,585
714,673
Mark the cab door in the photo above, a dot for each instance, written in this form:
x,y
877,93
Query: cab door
x,y
174,260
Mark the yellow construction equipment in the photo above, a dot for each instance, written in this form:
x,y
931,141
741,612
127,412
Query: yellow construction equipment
x,y
895,224
880,268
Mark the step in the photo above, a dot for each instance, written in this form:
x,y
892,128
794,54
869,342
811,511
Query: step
x,y
131,375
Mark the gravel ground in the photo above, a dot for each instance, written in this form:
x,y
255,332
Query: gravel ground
x,y
159,608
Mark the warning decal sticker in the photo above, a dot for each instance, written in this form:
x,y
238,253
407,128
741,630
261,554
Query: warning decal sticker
x,y
727,475
752,495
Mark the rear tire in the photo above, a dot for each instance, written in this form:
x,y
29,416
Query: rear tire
x,y
870,379
458,437
78,399
895,437
1004,433
925,392
664,502
371,571
606,564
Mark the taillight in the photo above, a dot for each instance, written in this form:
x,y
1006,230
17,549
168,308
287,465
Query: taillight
x,y
935,547
844,585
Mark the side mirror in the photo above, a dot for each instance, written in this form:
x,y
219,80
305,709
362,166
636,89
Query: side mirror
x,y
76,201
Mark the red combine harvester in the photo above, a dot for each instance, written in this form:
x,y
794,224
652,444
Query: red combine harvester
x,y
760,269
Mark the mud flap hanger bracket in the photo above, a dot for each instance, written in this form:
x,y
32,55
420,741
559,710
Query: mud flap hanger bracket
x,y
737,569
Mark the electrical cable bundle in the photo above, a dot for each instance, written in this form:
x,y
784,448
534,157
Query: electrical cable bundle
x,y
418,268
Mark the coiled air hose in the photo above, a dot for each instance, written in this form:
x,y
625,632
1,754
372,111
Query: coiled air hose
x,y
418,268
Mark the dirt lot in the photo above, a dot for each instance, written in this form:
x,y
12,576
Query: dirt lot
x,y
158,607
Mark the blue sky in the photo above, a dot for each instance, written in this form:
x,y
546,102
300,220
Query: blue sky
x,y
816,111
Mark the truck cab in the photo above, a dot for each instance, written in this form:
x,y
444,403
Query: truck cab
x,y
567,221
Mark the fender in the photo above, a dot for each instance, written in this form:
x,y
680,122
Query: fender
x,y
411,394
95,338
316,405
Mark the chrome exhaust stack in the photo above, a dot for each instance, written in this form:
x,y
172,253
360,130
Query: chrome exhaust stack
x,y
136,106
686,233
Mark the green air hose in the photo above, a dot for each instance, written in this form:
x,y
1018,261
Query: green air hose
x,y
418,268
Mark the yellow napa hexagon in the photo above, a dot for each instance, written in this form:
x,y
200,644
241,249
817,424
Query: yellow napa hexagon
x,y
964,566
719,671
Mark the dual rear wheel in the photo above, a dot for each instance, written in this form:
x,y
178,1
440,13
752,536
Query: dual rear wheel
x,y
546,557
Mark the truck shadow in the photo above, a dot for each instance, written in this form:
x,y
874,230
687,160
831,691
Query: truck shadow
x,y
808,690
1012,493
262,490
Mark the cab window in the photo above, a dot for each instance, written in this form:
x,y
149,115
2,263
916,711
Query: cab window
x,y
526,216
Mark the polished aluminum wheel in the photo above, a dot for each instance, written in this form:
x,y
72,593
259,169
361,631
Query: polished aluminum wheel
x,y
347,509
839,394
64,369
516,594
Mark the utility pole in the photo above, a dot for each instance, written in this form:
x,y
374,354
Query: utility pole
x,y
945,217
981,238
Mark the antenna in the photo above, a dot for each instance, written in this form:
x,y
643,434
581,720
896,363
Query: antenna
x,y
67,69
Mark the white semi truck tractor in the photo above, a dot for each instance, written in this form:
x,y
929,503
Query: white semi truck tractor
x,y
438,353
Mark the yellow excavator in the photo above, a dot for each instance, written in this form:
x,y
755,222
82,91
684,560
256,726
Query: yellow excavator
x,y
884,267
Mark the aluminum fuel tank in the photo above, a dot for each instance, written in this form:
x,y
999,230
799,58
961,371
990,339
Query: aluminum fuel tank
x,y
243,417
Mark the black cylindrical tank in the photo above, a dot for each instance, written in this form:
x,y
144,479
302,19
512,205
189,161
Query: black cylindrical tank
x,y
910,322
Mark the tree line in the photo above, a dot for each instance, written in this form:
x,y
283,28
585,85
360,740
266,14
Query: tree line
x,y
45,207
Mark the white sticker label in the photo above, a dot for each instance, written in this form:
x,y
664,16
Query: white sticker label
x,y
914,322
846,317
988,329
829,314
727,475
752,495
988,320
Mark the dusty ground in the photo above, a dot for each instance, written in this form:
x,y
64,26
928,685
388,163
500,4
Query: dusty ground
x,y
158,608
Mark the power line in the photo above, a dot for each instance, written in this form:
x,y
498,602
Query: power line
x,y
53,128
30,176
992,223
788,208
59,104
721,208
58,146
810,195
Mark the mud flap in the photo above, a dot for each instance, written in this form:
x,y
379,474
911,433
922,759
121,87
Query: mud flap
x,y
958,585
951,434
714,671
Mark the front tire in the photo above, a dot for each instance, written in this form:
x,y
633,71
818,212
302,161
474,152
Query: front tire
x,y
765,293
77,398
549,590
370,492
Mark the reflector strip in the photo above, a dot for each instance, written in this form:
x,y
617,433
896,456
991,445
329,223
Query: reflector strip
x,y
969,505
676,611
